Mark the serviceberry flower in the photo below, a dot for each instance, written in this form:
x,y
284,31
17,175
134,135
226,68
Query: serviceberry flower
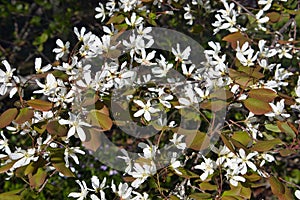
x,y
62,49
278,110
146,110
24,157
80,195
101,12
75,122
207,166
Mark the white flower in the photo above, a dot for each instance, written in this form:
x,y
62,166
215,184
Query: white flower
x,y
71,152
181,56
4,144
207,166
233,177
101,13
175,163
82,36
188,15
267,3
75,122
145,111
141,173
297,194
24,157
62,49
249,61
145,60
98,188
134,21
284,52
38,65
80,195
149,151
177,141
49,87
5,77
244,161
139,196
278,110
124,191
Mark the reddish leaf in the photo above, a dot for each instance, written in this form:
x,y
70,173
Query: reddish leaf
x,y
257,106
93,141
40,105
99,118
37,179
263,94
55,128
7,117
274,16
234,37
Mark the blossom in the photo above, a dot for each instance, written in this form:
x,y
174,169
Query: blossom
x,y
278,110
177,141
5,77
141,173
38,64
249,61
101,11
181,56
145,60
24,157
124,191
82,36
4,144
134,21
207,166
62,49
97,187
244,161
188,15
149,151
146,109
267,4
297,194
71,152
49,87
80,195
233,177
75,122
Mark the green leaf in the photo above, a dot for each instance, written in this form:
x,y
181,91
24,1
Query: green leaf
x,y
200,196
7,167
7,117
227,143
263,94
242,137
55,128
11,195
186,173
286,128
40,105
208,186
116,19
273,128
197,140
24,115
61,167
173,197
262,146
257,106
